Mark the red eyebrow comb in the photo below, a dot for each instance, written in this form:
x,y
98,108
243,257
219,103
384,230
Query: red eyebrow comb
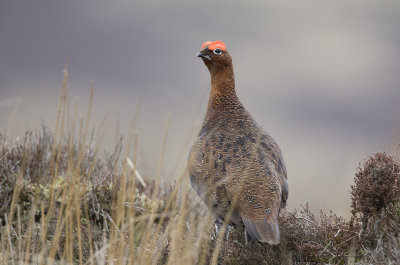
x,y
217,44
205,44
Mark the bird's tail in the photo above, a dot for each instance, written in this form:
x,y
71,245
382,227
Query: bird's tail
x,y
263,230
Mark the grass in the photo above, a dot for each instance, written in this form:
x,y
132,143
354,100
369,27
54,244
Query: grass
x,y
60,203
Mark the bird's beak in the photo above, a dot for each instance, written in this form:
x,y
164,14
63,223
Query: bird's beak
x,y
203,55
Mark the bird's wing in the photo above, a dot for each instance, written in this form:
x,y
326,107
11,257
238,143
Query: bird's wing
x,y
260,203
274,153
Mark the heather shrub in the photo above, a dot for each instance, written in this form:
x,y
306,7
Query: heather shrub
x,y
375,201
44,191
376,191
306,238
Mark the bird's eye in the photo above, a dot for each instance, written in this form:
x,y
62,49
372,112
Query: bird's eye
x,y
217,51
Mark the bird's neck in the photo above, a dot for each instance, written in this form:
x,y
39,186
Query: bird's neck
x,y
222,94
223,104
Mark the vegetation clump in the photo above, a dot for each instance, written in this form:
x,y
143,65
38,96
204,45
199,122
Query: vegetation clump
x,y
376,189
375,201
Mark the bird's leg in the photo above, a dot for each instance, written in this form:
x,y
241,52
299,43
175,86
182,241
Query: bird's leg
x,y
229,228
248,240
218,226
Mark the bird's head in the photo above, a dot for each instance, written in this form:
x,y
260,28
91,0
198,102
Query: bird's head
x,y
215,55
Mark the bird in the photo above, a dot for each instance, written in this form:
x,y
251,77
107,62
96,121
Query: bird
x,y
234,165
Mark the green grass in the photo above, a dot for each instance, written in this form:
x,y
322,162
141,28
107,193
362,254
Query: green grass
x,y
61,203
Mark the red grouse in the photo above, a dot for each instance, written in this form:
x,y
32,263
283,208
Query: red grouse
x,y
234,165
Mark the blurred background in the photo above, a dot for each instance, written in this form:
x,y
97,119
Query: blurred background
x,y
322,77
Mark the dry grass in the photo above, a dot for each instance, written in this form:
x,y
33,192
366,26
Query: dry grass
x,y
60,203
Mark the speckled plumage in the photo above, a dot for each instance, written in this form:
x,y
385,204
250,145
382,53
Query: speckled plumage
x,y
234,162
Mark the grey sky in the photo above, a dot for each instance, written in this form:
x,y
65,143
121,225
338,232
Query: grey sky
x,y
322,77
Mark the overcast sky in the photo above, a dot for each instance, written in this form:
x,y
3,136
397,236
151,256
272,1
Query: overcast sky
x,y
322,77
